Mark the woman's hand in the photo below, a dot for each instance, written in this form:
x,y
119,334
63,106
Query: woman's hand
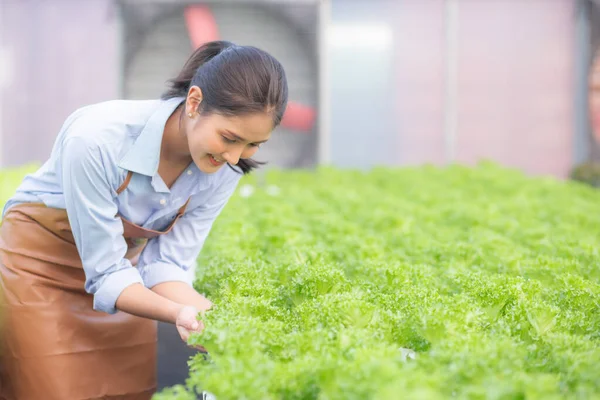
x,y
186,324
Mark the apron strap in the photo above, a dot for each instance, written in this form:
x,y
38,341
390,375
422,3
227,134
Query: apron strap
x,y
183,207
125,183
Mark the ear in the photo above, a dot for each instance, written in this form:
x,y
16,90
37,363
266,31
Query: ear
x,y
193,100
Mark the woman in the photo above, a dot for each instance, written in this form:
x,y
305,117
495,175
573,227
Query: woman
x,y
101,242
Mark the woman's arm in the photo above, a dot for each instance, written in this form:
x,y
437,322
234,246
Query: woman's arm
x,y
182,293
98,231
138,300
166,260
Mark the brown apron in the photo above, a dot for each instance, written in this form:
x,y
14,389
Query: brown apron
x,y
53,345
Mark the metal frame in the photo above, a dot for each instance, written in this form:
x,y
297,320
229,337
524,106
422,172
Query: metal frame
x,y
582,145
324,102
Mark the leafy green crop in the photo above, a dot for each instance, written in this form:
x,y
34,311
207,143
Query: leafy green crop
x,y
414,283
10,179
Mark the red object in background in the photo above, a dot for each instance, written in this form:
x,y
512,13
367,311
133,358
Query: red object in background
x,y
201,25
298,117
202,28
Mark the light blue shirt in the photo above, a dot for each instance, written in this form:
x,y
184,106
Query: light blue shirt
x,y
94,150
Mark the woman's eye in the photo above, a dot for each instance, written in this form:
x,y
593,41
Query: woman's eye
x,y
227,140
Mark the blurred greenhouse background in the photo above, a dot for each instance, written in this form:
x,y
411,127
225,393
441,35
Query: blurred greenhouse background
x,y
378,82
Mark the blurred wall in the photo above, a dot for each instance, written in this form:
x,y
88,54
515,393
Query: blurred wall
x,y
60,55
421,61
408,82
515,84
360,81
461,81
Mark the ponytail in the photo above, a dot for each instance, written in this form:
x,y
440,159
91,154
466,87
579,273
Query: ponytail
x,y
234,80
180,85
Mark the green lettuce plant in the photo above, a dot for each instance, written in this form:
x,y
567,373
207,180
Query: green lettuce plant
x,y
416,283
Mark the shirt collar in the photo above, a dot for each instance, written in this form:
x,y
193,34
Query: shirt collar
x,y
144,155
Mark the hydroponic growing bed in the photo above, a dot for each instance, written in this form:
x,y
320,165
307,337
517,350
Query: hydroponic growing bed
x,y
420,283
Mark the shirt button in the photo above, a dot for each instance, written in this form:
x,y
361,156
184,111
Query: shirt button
x,y
189,171
163,201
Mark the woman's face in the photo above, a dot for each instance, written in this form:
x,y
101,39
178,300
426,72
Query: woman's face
x,y
215,139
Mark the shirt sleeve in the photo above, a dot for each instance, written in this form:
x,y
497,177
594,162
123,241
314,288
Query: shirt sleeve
x,y
97,230
172,256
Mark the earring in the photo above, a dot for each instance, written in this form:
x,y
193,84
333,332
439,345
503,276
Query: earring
x,y
190,115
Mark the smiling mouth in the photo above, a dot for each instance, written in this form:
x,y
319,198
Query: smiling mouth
x,y
215,161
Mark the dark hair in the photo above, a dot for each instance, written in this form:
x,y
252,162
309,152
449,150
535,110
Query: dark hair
x,y
234,80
